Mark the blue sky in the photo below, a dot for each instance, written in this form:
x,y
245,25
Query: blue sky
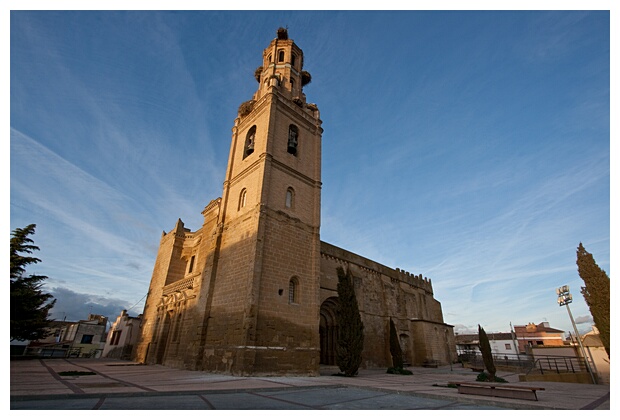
x,y
472,147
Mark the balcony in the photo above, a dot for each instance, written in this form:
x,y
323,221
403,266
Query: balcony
x,y
188,282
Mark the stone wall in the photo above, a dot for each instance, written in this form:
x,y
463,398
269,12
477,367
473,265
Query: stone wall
x,y
385,293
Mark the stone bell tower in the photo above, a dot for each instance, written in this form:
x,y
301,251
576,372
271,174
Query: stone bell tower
x,y
241,294
264,297
253,291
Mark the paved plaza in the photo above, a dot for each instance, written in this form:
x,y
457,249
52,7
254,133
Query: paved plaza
x,y
117,385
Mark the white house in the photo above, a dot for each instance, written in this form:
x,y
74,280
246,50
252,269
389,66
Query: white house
x,y
122,337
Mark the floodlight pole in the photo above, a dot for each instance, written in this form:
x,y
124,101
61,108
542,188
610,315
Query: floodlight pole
x,y
514,343
564,298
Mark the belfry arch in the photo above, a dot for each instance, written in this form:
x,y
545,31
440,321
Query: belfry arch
x,y
328,331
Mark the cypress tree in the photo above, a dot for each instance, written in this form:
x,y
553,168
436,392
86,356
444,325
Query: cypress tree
x,y
350,342
487,355
29,305
395,350
596,292
397,353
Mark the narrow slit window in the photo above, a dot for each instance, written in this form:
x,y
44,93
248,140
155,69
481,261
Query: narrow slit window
x,y
191,264
280,56
293,292
242,198
288,201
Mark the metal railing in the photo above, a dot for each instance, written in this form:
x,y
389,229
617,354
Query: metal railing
x,y
526,363
554,364
502,361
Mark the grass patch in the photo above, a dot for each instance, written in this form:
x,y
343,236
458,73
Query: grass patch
x,y
484,377
446,386
399,371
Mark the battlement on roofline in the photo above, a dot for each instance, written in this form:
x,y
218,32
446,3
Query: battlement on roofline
x,y
333,252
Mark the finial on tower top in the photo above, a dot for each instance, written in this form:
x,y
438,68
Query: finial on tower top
x,y
282,33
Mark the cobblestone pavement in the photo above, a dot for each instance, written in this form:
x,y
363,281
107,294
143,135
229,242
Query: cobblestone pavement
x,y
118,385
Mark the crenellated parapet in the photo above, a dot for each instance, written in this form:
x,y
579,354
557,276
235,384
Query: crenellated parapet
x,y
344,257
415,280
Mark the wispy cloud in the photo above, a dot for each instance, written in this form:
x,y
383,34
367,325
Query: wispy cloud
x,y
90,217
470,148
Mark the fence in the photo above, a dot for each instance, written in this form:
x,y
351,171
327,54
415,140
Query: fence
x,y
62,352
551,364
525,363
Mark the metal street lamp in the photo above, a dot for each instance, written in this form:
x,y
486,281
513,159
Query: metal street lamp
x,y
564,298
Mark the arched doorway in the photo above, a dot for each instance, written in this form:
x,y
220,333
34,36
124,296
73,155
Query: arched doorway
x,y
328,331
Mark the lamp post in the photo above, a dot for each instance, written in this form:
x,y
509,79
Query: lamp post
x,y
564,298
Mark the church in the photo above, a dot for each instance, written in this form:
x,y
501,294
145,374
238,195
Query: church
x,y
253,290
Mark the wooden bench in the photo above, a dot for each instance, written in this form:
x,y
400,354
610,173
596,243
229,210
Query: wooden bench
x,y
498,389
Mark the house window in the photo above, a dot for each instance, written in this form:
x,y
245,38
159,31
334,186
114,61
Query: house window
x,y
248,149
242,198
87,339
293,293
280,56
507,346
290,194
116,336
293,134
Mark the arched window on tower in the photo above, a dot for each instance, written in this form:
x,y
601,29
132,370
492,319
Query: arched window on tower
x,y
293,290
280,56
293,57
242,199
292,83
293,134
290,196
248,148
